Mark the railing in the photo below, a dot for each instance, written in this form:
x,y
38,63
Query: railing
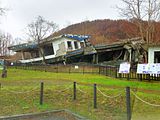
x,y
111,71
59,68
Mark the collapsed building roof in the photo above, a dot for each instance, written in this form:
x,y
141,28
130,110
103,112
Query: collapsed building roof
x,y
125,43
135,40
134,43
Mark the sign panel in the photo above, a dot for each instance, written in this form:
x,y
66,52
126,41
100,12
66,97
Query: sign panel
x,y
158,68
152,68
124,68
142,69
76,67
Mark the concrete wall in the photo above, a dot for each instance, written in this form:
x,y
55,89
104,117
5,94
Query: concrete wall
x,y
151,51
60,46
57,44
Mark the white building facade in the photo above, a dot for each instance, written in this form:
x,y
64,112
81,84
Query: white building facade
x,y
154,54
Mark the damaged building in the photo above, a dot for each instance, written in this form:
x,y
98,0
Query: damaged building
x,y
127,50
52,50
70,48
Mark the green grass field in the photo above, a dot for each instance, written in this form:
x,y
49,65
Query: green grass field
x,y
19,94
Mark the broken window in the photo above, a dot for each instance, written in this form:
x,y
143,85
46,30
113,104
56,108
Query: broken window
x,y
82,44
35,54
69,44
48,49
76,45
157,57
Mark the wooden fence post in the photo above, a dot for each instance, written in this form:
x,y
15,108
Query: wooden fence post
x,y
106,70
110,71
74,91
45,66
95,96
41,93
140,77
115,72
69,69
128,103
57,68
83,69
128,76
99,70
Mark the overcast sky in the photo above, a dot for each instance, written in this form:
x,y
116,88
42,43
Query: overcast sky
x,y
62,12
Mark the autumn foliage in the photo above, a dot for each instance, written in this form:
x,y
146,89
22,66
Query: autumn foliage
x,y
107,31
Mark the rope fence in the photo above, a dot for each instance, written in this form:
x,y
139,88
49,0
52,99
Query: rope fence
x,y
65,89
107,96
77,87
148,103
20,92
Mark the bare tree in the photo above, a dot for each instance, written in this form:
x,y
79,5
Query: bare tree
x,y
5,42
39,29
5,38
142,11
2,10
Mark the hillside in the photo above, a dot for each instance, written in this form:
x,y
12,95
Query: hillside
x,y
103,31
106,31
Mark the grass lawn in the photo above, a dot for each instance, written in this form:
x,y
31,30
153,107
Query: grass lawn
x,y
20,94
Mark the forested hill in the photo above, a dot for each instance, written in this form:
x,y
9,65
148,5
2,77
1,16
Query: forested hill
x,y
106,31
103,31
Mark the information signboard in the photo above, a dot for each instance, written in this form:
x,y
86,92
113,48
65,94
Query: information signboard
x,y
158,68
151,68
124,68
76,67
142,69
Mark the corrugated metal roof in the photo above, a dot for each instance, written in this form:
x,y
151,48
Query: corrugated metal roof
x,y
77,37
24,46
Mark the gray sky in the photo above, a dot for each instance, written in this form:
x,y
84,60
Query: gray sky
x,y
62,12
